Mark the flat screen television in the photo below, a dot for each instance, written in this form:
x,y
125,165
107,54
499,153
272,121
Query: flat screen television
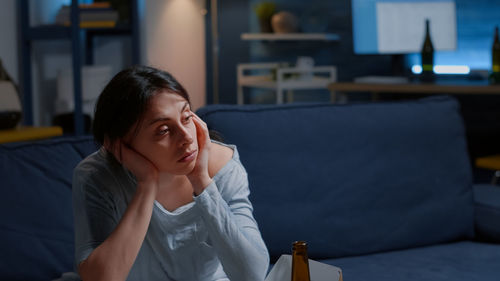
x,y
398,26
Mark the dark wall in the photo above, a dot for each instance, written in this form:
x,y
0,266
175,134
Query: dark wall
x,y
237,17
475,21
336,18
232,21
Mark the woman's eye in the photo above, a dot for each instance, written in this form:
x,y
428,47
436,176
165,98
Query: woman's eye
x,y
188,118
163,130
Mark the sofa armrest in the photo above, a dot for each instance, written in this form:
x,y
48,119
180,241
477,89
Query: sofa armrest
x,y
487,212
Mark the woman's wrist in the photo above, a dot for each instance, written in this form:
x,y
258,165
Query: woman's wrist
x,y
200,184
148,187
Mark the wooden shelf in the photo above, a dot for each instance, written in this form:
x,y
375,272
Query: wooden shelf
x,y
417,88
291,36
29,133
53,31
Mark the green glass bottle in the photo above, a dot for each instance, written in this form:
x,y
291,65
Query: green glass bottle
x,y
427,55
300,262
495,60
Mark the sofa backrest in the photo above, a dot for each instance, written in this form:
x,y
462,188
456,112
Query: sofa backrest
x,y
356,178
36,214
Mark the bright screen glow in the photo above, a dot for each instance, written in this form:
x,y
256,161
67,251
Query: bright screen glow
x,y
398,26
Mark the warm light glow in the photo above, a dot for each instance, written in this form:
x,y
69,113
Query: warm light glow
x,y
177,44
444,69
451,69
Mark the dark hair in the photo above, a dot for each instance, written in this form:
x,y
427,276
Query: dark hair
x,y
125,98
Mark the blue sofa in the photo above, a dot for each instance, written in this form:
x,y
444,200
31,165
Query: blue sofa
x,y
382,190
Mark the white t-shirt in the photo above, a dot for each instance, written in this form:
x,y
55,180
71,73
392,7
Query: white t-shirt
x,y
215,237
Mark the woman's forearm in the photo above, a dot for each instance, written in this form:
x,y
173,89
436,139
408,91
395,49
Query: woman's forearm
x,y
113,259
235,235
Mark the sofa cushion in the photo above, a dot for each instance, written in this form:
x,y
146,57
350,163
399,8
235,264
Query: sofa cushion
x,y
460,261
36,215
356,178
487,212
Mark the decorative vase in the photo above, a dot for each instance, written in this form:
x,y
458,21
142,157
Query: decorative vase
x,y
284,22
265,25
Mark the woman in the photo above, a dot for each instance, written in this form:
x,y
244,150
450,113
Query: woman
x,y
160,200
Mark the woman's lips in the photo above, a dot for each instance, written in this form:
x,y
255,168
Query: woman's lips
x,y
188,157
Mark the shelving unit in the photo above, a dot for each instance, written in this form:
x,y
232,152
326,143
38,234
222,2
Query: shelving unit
x,y
291,36
81,51
280,83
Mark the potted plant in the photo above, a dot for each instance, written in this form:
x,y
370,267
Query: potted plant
x,y
264,11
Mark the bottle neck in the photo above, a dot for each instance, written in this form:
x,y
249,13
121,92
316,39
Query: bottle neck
x,y
300,262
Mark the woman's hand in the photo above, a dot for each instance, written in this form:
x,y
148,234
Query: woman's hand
x,y
199,176
143,169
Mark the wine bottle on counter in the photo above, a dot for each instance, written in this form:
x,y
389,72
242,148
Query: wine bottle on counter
x,y
427,56
495,60
300,262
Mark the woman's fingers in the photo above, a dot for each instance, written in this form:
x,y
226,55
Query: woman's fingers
x,y
201,129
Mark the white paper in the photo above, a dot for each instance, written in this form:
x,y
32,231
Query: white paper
x,y
282,270
401,26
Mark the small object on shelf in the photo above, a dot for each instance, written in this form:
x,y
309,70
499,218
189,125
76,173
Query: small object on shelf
x,y
264,11
95,15
427,56
284,22
29,133
305,63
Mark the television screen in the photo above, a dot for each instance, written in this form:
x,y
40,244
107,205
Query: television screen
x,y
398,26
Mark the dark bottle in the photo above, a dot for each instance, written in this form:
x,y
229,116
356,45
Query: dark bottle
x,y
495,60
300,262
427,55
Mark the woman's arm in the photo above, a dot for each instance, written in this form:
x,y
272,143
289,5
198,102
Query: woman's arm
x,y
232,229
115,256
230,223
113,259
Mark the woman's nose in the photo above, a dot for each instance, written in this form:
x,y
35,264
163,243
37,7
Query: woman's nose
x,y
185,135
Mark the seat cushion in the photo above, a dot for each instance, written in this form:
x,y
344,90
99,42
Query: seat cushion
x,y
461,261
356,178
487,212
36,215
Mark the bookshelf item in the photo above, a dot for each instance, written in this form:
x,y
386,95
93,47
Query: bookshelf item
x,y
81,37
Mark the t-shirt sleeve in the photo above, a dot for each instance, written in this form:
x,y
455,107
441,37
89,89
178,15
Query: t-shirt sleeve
x,y
93,209
227,213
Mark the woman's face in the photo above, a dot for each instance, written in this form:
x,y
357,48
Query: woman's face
x,y
167,134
